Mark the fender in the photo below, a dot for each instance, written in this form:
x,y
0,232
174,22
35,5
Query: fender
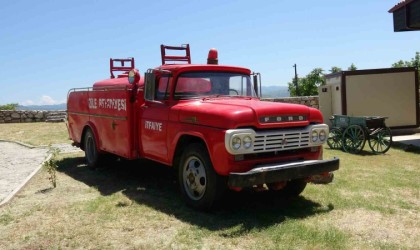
x,y
174,143
213,139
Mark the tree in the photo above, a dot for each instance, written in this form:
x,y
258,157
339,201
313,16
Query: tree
x,y
352,67
415,62
400,64
9,106
335,69
309,84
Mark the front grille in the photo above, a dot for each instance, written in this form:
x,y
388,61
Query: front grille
x,y
270,141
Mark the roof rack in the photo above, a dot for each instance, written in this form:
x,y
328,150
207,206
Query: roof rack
x,y
166,58
121,66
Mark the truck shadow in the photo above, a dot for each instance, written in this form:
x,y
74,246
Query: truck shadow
x,y
154,185
407,146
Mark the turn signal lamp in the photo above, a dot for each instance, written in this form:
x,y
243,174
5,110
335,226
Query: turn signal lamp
x,y
133,76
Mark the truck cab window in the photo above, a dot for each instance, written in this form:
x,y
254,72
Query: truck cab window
x,y
239,85
162,88
192,86
201,84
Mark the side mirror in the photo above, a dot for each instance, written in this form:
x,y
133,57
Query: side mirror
x,y
257,84
133,76
149,88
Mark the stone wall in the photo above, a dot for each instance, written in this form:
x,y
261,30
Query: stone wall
x,y
9,116
310,101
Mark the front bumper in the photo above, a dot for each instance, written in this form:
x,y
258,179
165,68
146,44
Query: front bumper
x,y
272,173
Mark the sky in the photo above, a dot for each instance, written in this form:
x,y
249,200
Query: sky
x,y
48,47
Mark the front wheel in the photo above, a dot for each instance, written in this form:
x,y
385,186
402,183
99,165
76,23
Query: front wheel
x,y
353,139
200,185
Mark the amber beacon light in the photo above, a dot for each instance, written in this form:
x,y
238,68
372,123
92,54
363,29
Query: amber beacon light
x,y
212,58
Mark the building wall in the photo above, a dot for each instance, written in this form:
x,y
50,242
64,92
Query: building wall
x,y
334,79
336,99
391,94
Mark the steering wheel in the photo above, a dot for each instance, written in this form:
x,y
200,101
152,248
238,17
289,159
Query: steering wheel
x,y
233,90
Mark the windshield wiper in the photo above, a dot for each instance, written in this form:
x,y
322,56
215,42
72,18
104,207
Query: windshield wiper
x,y
213,96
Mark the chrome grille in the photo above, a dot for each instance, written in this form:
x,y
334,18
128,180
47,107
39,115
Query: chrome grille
x,y
280,140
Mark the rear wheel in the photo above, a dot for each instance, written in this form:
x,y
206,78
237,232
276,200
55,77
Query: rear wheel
x,y
334,140
381,141
200,185
92,155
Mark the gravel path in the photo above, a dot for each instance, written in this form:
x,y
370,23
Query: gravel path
x,y
18,162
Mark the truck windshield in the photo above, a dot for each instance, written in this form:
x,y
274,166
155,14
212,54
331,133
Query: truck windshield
x,y
202,84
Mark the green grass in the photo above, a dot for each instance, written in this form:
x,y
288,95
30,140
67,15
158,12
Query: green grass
x,y
35,133
373,203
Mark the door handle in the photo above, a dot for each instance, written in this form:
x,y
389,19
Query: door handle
x,y
114,124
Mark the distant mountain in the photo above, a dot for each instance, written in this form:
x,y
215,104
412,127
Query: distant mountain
x,y
62,106
275,91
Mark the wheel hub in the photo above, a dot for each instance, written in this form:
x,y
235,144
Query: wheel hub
x,y
194,178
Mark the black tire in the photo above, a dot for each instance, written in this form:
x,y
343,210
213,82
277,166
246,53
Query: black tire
x,y
293,188
92,155
201,187
381,141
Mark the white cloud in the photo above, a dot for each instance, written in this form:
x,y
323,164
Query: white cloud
x,y
47,100
44,100
27,103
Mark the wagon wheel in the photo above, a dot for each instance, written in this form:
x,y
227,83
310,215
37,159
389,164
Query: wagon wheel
x,y
353,139
334,138
381,141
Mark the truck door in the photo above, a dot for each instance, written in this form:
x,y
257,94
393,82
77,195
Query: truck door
x,y
154,122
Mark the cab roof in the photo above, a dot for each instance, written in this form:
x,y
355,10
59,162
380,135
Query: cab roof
x,y
179,68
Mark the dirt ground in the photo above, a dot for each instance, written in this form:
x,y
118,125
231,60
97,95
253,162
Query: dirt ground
x,y
18,162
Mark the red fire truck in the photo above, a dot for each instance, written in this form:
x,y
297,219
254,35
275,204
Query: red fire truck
x,y
204,120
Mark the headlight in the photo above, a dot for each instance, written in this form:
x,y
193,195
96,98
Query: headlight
x,y
314,135
318,134
236,143
322,135
247,142
239,141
